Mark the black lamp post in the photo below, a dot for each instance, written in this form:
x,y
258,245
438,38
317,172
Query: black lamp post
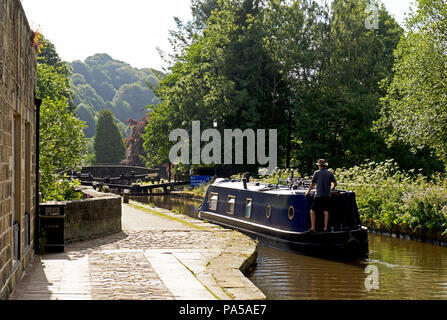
x,y
215,167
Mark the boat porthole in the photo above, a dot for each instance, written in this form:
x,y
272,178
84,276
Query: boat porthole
x,y
268,212
291,212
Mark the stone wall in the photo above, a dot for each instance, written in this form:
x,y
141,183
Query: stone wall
x,y
113,171
94,217
17,144
98,215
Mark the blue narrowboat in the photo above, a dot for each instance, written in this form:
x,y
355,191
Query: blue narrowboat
x,y
280,216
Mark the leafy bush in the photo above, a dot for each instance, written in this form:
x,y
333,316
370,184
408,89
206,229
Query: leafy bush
x,y
199,191
388,197
61,189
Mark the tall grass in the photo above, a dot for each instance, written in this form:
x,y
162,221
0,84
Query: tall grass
x,y
391,199
199,191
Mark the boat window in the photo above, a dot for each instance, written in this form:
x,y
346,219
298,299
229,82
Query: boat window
x,y
291,212
212,202
230,204
248,208
268,212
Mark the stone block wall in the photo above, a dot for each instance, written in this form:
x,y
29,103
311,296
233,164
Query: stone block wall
x,y
17,144
113,171
94,217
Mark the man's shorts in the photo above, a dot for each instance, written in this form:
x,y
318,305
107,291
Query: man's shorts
x,y
321,204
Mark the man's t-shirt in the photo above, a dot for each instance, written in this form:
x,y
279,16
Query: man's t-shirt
x,y
323,179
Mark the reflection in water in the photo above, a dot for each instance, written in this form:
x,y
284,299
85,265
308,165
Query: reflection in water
x,y
406,269
184,206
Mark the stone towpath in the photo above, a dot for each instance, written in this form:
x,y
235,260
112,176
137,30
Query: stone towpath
x,y
159,255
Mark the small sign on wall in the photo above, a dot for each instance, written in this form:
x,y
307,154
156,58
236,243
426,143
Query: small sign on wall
x,y
196,181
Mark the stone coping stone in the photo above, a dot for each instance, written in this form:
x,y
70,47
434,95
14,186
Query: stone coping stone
x,y
91,194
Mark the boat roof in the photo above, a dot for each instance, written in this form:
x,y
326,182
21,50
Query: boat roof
x,y
258,187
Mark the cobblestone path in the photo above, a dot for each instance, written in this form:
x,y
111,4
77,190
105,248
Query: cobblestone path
x,y
158,256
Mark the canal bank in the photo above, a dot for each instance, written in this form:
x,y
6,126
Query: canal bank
x,y
406,232
159,255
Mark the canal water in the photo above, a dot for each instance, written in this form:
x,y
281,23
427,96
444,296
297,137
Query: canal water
x,y
396,269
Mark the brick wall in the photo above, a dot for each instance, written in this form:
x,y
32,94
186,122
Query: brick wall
x,y
17,143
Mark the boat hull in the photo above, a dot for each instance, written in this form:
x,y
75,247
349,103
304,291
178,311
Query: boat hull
x,y
349,244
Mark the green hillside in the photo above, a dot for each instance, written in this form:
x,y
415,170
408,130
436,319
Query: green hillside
x,y
100,82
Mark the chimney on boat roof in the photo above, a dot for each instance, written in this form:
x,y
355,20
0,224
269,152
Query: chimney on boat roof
x,y
244,181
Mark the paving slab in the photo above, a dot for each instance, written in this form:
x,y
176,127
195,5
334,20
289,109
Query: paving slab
x,y
55,277
170,270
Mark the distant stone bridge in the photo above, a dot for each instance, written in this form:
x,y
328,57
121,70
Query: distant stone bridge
x,y
113,171
124,177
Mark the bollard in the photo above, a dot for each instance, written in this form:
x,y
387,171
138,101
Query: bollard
x,y
126,196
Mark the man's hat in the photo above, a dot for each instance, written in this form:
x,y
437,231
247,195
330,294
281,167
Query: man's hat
x,y
322,163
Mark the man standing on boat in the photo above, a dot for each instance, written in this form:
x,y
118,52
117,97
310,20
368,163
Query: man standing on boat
x,y
322,179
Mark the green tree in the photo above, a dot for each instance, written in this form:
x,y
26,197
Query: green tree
x,y
311,71
225,74
89,96
62,142
294,40
415,108
52,83
201,11
356,60
100,82
186,33
108,145
85,112
48,58
131,100
62,146
332,64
